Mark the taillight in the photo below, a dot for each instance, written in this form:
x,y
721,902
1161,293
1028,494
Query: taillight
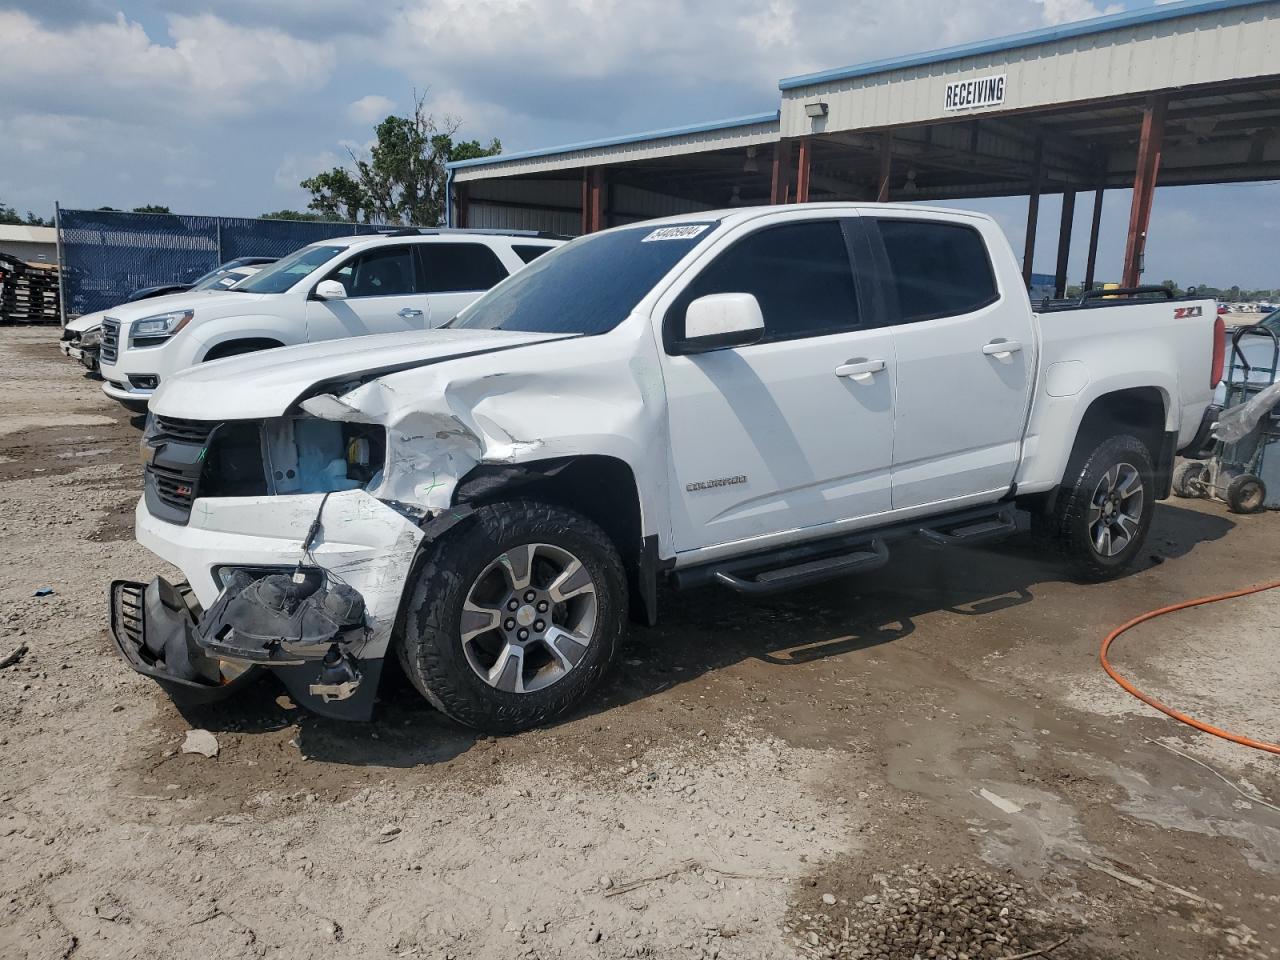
x,y
1219,352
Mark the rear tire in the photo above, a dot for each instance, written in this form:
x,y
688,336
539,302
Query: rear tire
x,y
1188,480
1246,494
467,646
1103,510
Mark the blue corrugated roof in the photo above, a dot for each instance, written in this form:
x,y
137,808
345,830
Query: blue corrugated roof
x,y
616,141
1080,28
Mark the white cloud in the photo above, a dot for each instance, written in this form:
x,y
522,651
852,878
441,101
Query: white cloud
x,y
1067,11
209,68
372,108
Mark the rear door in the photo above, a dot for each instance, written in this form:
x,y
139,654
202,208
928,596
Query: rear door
x,y
965,361
455,273
795,431
384,295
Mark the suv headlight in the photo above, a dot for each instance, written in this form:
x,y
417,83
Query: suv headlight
x,y
91,338
160,327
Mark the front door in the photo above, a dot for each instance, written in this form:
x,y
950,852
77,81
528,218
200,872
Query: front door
x,y
966,362
795,431
383,296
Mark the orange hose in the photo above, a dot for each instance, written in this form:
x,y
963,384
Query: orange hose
x,y
1152,701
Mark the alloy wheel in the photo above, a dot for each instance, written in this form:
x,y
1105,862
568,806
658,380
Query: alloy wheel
x,y
529,617
1115,510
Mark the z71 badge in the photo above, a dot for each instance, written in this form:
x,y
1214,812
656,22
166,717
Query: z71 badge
x,y
1186,313
711,484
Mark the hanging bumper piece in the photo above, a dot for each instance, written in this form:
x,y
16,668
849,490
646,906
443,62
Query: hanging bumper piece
x,y
301,626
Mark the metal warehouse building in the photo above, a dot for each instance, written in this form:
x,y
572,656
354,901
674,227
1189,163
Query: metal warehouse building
x,y
1179,93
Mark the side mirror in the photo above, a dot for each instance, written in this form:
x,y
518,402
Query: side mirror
x,y
721,320
330,290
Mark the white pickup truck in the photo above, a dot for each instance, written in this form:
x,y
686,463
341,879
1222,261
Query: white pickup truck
x,y
403,280
754,400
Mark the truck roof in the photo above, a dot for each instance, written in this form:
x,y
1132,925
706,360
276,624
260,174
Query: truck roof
x,y
733,215
427,233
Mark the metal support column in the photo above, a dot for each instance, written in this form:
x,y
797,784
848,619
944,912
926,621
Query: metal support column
x,y
1094,229
462,206
780,192
1033,212
1064,243
592,199
1144,185
886,166
62,267
802,173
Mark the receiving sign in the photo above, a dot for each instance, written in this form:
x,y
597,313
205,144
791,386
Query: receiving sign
x,y
975,94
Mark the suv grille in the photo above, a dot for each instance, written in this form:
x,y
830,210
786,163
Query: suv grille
x,y
110,340
185,431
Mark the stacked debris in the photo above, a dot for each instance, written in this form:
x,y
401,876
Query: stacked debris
x,y
28,291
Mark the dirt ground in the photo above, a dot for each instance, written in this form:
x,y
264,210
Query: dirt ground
x,y
925,761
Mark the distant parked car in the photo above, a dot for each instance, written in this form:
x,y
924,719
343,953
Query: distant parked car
x,y
403,280
202,282
1258,349
81,337
1222,309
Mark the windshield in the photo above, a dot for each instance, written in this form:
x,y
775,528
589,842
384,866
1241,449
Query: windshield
x,y
218,279
1271,321
283,274
588,286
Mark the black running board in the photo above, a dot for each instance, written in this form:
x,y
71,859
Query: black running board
x,y
814,561
1001,525
804,574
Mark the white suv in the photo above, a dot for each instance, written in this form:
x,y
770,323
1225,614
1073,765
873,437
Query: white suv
x,y
346,287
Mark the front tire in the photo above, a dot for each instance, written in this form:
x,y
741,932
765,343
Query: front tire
x,y
514,616
1104,510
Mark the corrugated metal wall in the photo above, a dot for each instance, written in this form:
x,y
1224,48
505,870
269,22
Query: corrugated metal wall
x,y
1222,45
556,205
662,145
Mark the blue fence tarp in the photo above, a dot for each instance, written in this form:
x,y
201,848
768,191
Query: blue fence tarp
x,y
106,254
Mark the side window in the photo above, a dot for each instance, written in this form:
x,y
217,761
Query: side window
x,y
528,252
457,267
799,272
939,269
380,272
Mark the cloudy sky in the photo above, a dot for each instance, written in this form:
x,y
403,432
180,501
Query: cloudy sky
x,y
222,107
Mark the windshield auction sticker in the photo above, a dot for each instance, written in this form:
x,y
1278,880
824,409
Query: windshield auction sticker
x,y
676,233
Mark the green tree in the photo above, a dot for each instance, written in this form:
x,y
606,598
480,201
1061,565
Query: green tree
x,y
10,215
403,180
291,215
152,208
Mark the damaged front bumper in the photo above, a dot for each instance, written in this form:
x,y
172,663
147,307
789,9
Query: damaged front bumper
x,y
236,621
302,626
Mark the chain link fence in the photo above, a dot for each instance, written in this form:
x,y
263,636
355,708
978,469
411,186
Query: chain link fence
x,y
105,255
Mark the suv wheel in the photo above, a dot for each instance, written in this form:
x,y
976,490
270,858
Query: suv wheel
x,y
1104,510
514,616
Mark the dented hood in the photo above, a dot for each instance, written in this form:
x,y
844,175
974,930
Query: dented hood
x,y
266,384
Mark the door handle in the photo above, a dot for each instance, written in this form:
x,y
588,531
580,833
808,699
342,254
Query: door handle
x,y
1002,349
860,369
408,312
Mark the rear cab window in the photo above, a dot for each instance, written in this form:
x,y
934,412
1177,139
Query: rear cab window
x,y
937,269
